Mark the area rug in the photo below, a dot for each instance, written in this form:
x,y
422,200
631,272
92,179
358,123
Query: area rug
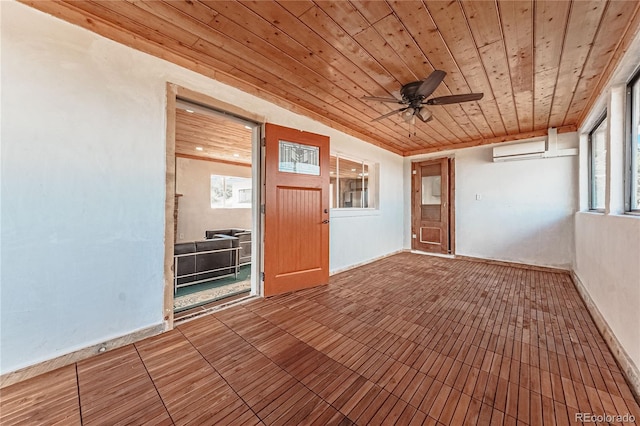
x,y
199,294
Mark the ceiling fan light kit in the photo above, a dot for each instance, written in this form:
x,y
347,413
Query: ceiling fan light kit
x,y
424,115
407,114
415,95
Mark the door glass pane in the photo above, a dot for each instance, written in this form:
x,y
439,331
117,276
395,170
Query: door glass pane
x,y
431,190
299,158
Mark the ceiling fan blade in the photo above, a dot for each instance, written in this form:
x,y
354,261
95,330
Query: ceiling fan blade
x,y
430,83
389,114
454,99
375,98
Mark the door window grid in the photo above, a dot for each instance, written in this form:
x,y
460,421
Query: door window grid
x,y
298,158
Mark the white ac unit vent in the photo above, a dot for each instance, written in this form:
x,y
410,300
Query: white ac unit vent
x,y
519,151
542,148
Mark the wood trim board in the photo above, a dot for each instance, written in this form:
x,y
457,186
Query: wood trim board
x,y
514,264
212,160
452,205
170,191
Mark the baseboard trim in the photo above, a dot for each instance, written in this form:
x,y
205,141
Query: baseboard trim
x,y
515,264
366,262
70,358
628,367
426,253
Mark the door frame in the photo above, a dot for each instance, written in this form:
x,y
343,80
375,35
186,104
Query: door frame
x,y
451,210
173,93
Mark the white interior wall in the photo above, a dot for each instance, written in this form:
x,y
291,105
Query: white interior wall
x,y
195,215
83,186
608,266
607,247
517,211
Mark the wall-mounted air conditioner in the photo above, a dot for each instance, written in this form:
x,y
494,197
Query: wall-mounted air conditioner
x,y
519,151
542,148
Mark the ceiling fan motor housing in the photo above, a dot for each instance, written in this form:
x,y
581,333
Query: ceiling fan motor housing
x,y
408,92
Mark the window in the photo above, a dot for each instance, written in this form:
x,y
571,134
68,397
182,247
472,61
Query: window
x,y
598,165
230,192
633,147
298,158
353,183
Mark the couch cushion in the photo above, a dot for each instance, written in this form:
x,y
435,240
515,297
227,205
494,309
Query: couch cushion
x,y
209,234
245,246
222,262
235,241
183,248
186,264
232,232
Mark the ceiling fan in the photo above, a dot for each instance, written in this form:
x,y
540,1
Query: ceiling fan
x,y
415,94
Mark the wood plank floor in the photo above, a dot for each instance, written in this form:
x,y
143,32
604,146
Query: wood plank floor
x,y
407,340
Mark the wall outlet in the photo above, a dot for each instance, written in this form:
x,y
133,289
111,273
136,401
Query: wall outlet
x,y
478,197
181,236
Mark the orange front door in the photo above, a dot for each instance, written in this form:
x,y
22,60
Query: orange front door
x,y
296,233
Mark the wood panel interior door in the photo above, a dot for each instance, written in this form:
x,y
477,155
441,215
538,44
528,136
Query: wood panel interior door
x,y
296,234
430,206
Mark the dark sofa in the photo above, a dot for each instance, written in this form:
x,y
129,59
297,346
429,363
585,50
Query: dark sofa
x,y
244,237
209,259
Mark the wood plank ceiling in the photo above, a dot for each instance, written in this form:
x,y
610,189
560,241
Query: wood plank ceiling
x,y
206,135
540,64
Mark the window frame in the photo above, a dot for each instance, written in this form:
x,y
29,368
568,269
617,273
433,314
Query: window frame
x,y
629,146
597,124
225,178
373,168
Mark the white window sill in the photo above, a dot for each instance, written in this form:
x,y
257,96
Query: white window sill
x,y
624,216
353,212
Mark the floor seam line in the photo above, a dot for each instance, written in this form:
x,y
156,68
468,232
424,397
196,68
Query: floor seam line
x,y
218,373
154,384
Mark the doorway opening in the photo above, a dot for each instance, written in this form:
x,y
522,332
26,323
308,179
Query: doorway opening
x,y
433,206
216,208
